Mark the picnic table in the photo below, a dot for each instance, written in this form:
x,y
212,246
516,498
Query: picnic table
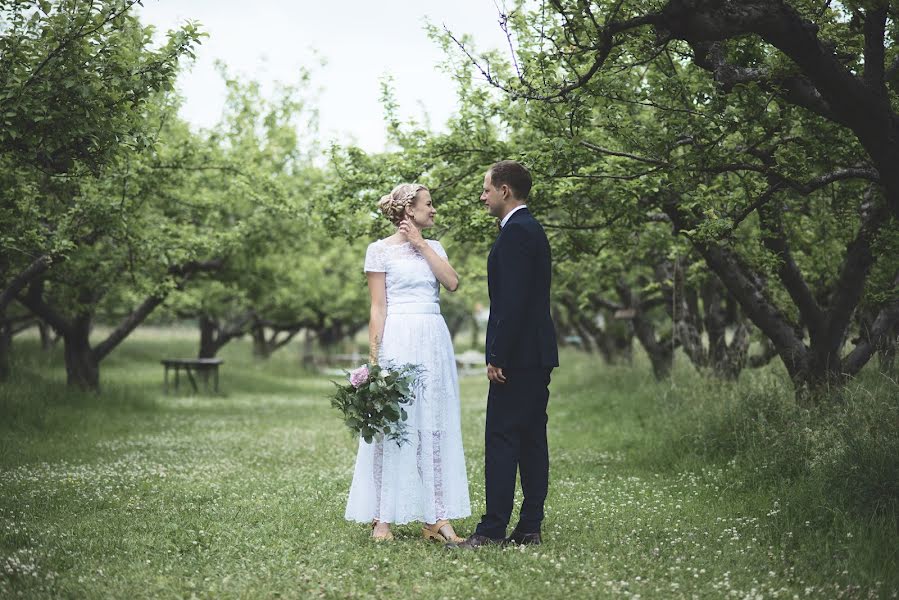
x,y
191,366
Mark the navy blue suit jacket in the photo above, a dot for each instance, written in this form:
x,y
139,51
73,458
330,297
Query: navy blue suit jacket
x,y
520,331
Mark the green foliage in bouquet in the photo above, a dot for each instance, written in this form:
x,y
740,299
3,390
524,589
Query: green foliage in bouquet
x,y
373,402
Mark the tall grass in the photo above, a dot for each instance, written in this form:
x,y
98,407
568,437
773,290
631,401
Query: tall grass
x,y
845,449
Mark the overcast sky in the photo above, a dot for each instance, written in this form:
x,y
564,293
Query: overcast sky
x,y
362,41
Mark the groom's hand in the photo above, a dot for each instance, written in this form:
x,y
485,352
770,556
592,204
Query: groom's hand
x,y
495,374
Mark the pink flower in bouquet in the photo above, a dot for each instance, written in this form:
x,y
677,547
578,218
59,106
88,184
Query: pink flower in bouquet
x,y
359,376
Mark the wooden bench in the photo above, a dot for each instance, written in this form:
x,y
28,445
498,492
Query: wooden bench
x,y
191,366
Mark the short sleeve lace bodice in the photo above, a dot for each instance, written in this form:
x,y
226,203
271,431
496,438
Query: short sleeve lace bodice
x,y
408,276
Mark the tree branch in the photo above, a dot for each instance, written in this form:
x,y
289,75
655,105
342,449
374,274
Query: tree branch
x,y
603,302
875,338
602,50
826,179
33,300
129,324
853,272
779,182
139,314
759,202
237,327
37,268
710,56
875,24
844,98
796,89
191,267
774,238
892,71
285,340
601,150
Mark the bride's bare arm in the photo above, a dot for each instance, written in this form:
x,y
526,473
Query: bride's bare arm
x,y
377,287
441,268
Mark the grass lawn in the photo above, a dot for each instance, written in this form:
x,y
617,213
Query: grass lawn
x,y
135,494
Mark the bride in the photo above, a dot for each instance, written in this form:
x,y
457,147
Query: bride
x,y
424,479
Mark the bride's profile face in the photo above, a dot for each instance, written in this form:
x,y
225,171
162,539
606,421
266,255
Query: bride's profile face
x,y
422,210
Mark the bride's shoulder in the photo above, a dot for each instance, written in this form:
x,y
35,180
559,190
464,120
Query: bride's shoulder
x,y
381,245
376,248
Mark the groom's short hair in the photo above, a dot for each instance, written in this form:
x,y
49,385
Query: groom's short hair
x,y
513,174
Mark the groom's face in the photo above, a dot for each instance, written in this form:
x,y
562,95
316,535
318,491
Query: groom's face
x,y
494,199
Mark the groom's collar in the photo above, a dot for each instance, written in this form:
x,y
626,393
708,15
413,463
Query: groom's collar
x,y
510,213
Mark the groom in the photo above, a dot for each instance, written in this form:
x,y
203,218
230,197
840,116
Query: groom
x,y
521,353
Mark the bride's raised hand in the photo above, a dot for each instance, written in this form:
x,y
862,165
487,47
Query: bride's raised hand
x,y
412,233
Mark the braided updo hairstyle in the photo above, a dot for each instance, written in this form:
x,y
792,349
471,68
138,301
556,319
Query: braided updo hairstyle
x,y
393,205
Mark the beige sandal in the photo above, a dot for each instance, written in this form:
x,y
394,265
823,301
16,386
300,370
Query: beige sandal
x,y
433,532
380,538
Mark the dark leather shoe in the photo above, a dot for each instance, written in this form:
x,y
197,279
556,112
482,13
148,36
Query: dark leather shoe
x,y
475,541
524,539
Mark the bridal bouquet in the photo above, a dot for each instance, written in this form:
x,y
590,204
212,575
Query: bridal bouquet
x,y
373,401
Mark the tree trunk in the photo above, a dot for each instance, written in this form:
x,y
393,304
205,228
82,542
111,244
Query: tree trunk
x,y
47,339
209,346
660,351
214,334
261,347
82,366
764,358
662,359
715,320
623,340
308,351
887,353
721,311
331,335
581,331
736,354
615,340
687,327
621,343
5,346
455,324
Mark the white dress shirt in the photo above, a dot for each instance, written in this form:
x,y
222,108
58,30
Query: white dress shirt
x,y
510,213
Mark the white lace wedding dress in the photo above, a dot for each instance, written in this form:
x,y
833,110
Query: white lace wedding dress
x,y
423,479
